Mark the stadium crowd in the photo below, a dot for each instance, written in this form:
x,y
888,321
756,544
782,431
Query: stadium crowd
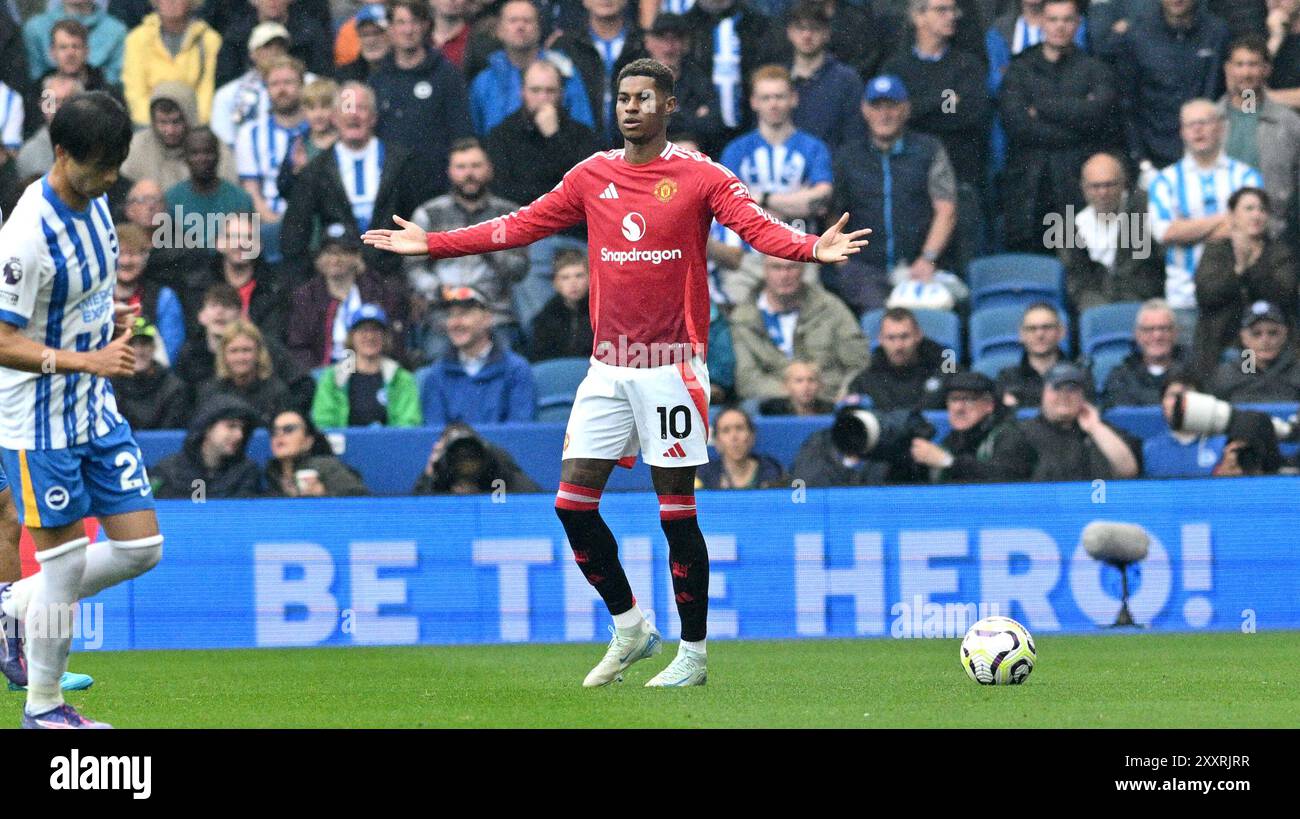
x,y
1146,153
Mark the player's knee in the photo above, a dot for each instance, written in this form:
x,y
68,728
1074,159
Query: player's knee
x,y
143,554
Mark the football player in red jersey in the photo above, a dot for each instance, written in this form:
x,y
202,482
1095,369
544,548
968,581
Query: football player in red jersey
x,y
648,209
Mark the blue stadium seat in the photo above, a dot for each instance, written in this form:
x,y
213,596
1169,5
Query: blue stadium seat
x,y
994,362
1107,327
944,326
1015,280
995,329
421,375
559,377
554,409
1105,361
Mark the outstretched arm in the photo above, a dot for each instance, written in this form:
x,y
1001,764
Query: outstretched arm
x,y
553,211
734,207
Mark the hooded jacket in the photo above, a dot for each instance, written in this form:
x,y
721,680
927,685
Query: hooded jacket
x,y
502,391
235,477
149,158
106,45
915,386
148,62
330,408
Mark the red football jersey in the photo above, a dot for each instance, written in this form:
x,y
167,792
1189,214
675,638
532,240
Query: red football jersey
x,y
647,231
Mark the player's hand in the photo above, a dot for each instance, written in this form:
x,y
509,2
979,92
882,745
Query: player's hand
x,y
836,246
411,240
116,360
124,316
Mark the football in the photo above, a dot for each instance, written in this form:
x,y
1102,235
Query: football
x,y
998,651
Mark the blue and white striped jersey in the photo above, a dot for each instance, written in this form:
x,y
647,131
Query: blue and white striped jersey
x,y
11,118
58,268
260,148
1185,190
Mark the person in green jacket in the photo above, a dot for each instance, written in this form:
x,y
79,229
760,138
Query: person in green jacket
x,y
366,388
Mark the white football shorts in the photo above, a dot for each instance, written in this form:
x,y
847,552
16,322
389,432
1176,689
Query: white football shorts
x,y
661,411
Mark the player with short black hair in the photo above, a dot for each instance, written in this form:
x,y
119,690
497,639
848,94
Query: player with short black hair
x,y
63,443
648,209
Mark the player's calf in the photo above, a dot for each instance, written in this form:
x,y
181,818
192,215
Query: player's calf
x,y
689,556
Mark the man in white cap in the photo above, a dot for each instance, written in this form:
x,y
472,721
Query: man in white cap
x,y
246,99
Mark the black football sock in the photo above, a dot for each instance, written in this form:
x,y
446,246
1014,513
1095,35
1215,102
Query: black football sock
x,y
690,563
594,547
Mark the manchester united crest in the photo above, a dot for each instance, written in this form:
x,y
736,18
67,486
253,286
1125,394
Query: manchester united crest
x,y
665,189
565,448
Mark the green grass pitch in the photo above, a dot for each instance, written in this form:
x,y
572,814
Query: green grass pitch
x,y
1120,680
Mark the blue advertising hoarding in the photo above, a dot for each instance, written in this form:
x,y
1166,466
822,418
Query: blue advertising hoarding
x,y
789,563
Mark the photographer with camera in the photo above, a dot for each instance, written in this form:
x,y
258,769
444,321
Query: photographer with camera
x,y
1180,453
1252,437
1269,368
985,444
1070,440
863,448
462,463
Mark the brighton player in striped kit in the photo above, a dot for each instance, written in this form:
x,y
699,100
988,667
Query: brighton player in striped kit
x,y
648,208
66,450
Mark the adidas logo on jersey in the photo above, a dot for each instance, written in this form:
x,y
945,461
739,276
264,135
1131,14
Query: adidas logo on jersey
x,y
609,192
675,452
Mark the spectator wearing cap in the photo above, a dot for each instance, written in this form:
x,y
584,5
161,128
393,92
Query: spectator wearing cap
x,y
104,41
698,112
797,186
1041,334
563,327
803,384
902,185
1173,453
302,464
1262,132
492,274
1189,199
246,99
906,370
531,151
171,45
985,443
322,309
1068,437
309,41
371,24
1248,266
213,461
366,388
1058,107
364,181
1138,380
244,371
479,381
152,397
158,152
738,466
1268,369
1113,256
1166,58
494,93
599,49
414,87
158,304
788,318
219,307
946,88
205,193
730,41
828,89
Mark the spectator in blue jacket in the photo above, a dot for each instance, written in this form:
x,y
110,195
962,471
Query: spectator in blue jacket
x,y
1161,62
497,91
107,39
828,89
480,381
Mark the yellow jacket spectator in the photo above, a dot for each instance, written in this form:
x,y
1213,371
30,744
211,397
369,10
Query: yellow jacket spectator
x,y
171,44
